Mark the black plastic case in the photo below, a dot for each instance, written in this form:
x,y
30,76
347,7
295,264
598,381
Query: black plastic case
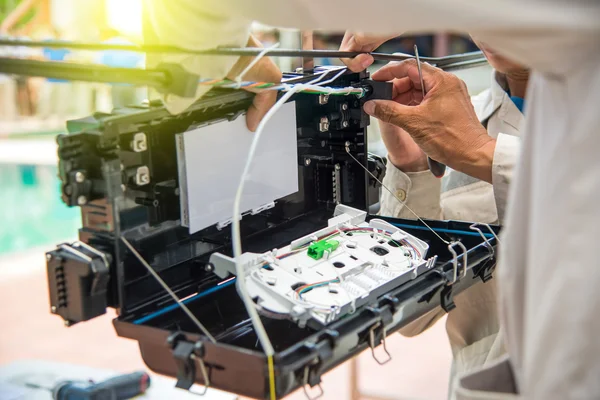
x,y
99,161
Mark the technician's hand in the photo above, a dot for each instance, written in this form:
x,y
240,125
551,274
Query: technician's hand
x,y
361,42
403,152
264,71
443,124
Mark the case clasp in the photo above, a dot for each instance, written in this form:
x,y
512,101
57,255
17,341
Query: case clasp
x,y
187,355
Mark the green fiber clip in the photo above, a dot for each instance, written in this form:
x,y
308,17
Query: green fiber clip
x,y
317,249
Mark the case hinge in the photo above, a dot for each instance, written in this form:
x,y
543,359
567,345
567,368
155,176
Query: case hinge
x,y
187,355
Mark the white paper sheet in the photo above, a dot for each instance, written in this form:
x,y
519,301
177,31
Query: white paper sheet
x,y
211,160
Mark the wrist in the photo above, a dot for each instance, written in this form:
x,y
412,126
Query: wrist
x,y
416,165
478,162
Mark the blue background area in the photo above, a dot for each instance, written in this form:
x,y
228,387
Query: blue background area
x,y
31,211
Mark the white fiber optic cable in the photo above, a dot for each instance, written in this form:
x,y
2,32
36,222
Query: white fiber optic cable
x,y
235,226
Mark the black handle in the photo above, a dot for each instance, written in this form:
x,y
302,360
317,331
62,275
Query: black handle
x,y
125,387
437,168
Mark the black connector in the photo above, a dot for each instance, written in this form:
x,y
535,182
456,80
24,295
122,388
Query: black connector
x,y
376,90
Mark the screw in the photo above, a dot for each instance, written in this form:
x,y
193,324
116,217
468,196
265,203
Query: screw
x,y
67,323
345,124
307,162
324,124
48,257
139,142
323,99
81,200
79,177
142,176
337,167
53,309
345,106
209,267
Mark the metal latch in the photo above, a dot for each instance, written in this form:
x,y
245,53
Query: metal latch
x,y
446,300
187,355
372,342
377,332
315,367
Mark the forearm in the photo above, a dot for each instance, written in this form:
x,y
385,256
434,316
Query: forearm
x,y
478,160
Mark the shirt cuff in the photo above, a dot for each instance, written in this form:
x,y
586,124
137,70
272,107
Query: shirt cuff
x,y
506,154
420,191
189,24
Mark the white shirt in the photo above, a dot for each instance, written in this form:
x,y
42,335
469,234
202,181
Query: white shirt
x,y
473,325
548,274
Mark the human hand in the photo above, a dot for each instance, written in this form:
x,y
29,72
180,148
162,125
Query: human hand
x,y
443,124
361,42
403,152
265,70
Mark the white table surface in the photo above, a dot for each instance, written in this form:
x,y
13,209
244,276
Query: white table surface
x,y
15,376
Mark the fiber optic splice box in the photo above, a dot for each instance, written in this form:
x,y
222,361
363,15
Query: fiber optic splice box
x,y
328,279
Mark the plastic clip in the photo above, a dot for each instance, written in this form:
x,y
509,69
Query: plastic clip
x,y
187,355
455,260
446,301
372,344
305,384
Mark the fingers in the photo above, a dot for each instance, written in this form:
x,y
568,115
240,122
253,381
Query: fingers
x,y
401,85
392,112
405,91
261,104
363,43
358,63
408,68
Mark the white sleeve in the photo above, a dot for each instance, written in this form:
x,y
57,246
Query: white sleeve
x,y
190,24
420,191
506,154
549,36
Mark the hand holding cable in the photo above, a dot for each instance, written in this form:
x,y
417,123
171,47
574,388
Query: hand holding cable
x,y
443,123
357,41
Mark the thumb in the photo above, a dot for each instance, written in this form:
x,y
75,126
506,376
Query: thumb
x,y
391,112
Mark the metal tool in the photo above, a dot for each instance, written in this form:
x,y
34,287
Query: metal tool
x,y
441,62
121,387
437,168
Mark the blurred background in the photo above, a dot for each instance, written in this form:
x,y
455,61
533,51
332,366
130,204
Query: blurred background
x,y
33,218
